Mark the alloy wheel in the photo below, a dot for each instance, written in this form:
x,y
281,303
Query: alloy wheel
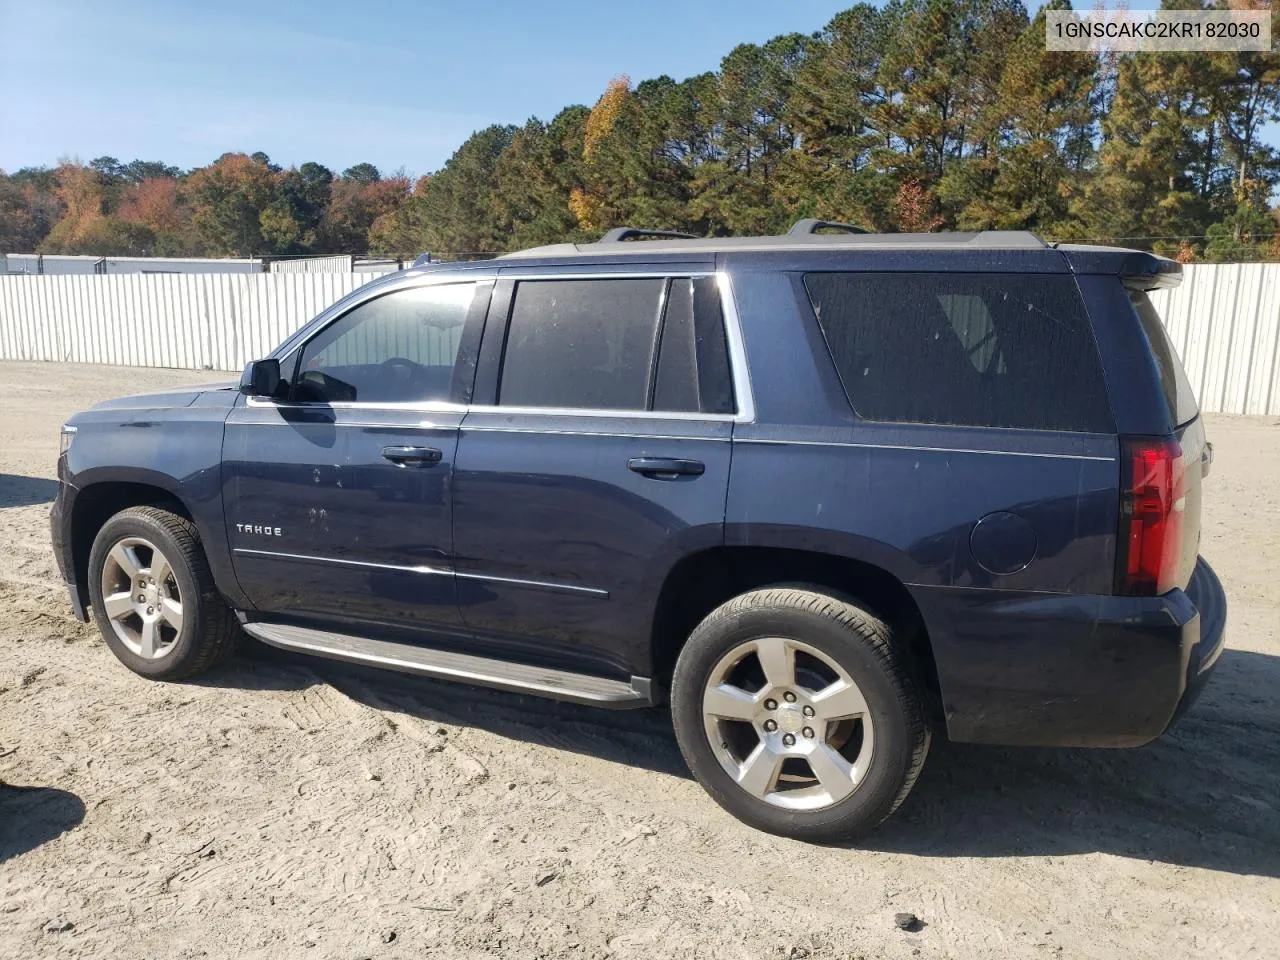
x,y
788,723
141,597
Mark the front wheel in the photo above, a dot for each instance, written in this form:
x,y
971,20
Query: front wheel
x,y
795,711
154,598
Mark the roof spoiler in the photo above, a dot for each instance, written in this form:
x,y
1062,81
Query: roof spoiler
x,y
1138,269
1152,273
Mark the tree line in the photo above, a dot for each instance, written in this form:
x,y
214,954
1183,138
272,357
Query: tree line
x,y
920,115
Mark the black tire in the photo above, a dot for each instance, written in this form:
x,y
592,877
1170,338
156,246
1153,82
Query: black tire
x,y
209,630
861,645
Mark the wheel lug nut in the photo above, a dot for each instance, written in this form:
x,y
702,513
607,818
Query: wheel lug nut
x,y
150,609
789,740
808,711
770,725
808,733
789,697
141,598
771,704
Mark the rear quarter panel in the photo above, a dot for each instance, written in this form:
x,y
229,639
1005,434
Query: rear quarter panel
x,y
905,497
809,474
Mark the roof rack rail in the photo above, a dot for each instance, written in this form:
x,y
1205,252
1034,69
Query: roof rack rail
x,y
803,228
618,234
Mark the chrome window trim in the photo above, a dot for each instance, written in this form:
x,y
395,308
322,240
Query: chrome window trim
x,y
411,406
738,370
623,414
364,424
545,431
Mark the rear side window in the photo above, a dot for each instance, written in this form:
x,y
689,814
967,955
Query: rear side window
x,y
625,344
693,359
581,343
983,350
1178,394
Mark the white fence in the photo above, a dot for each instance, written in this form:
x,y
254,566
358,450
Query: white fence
x,y
198,321
1224,320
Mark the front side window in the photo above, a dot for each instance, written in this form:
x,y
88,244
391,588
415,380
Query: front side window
x,y
397,348
985,350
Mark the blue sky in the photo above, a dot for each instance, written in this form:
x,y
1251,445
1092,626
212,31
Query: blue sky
x,y
398,84
394,83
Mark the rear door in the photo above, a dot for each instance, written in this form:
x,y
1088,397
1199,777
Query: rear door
x,y
596,456
338,498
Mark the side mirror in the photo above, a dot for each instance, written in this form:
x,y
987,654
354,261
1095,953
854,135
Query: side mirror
x,y
261,378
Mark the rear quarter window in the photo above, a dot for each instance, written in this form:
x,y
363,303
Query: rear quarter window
x,y
1178,395
982,350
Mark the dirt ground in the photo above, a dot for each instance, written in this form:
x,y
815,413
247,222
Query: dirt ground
x,y
286,807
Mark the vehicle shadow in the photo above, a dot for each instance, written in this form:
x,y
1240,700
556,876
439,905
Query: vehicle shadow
x,y
20,491
31,816
638,738
1205,795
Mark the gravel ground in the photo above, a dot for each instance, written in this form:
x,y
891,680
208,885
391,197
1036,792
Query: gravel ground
x,y
286,807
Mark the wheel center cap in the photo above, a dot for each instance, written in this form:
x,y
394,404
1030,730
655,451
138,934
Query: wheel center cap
x,y
790,719
153,594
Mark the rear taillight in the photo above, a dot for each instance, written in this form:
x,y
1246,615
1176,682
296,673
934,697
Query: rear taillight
x,y
1152,504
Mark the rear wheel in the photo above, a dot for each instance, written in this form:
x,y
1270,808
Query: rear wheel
x,y
153,595
795,711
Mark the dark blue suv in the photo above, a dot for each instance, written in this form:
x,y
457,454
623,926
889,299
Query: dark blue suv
x,y
824,492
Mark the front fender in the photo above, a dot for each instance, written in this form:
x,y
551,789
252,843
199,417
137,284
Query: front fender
x,y
175,451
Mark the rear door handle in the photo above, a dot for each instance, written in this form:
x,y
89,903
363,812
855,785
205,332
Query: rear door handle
x,y
412,456
666,468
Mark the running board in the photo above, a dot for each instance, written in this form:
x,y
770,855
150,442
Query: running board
x,y
449,665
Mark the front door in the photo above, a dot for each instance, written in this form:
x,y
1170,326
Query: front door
x,y
339,498
600,458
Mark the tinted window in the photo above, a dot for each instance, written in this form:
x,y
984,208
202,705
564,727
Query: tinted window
x,y
1178,394
581,343
992,350
693,362
396,348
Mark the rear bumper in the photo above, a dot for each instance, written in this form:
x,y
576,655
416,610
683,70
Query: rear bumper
x,y
1205,591
1053,670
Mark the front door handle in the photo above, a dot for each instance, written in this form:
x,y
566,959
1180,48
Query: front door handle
x,y
666,468
412,456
